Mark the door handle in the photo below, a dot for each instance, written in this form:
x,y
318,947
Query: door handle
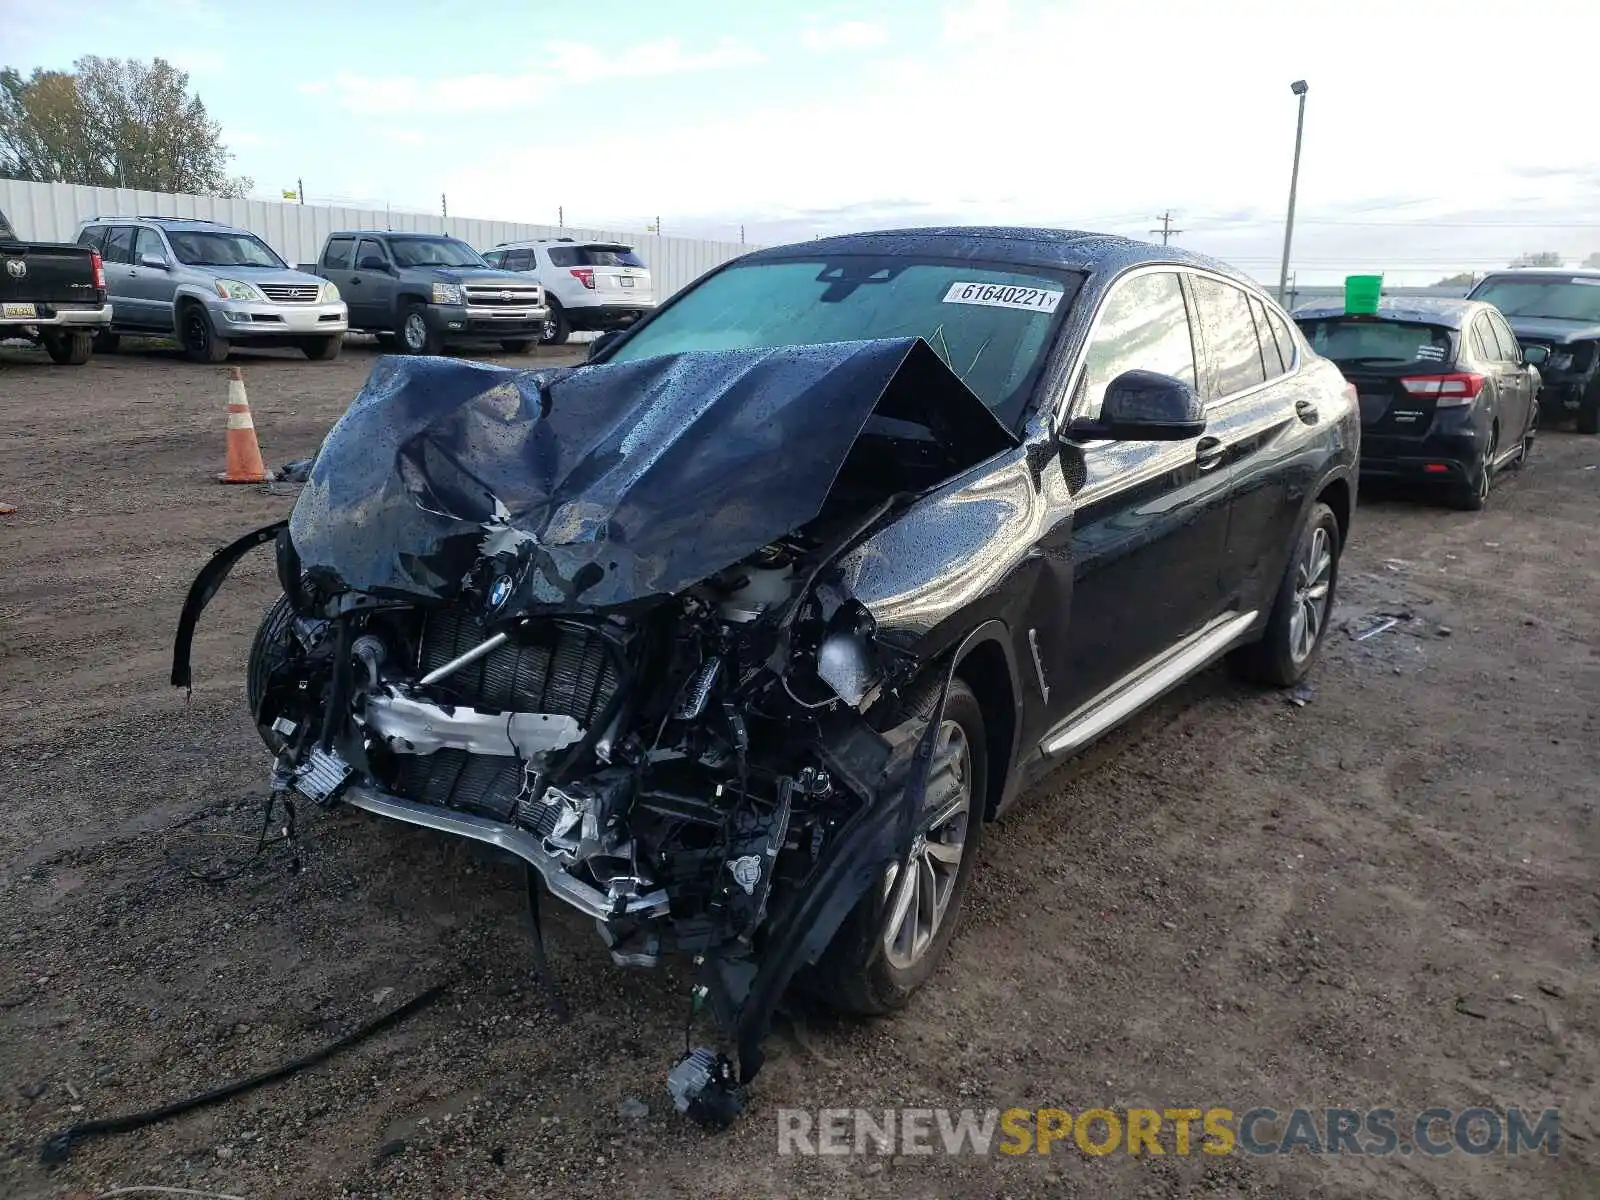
x,y
1307,411
1209,453
354,280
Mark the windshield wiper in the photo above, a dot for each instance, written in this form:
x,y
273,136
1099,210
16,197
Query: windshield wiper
x,y
1371,360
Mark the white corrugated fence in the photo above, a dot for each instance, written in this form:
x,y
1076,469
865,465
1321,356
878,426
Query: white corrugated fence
x,y
46,212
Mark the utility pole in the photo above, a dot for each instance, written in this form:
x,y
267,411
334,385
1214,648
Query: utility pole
x,y
741,235
1299,88
300,186
561,217
1166,231
444,210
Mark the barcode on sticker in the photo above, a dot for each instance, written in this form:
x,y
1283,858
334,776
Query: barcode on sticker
x,y
1003,295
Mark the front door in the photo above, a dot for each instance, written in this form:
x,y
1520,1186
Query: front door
x,y
148,291
1149,518
371,294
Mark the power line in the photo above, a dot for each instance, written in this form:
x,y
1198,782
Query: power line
x,y
1166,231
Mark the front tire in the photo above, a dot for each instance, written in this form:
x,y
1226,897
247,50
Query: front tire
x,y
416,337
1589,413
70,349
891,942
1300,612
200,342
323,349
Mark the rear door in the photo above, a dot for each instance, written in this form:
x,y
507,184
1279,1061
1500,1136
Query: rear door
x,y
337,265
1257,416
1149,518
120,275
1516,384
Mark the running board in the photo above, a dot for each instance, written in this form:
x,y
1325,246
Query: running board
x,y
1163,673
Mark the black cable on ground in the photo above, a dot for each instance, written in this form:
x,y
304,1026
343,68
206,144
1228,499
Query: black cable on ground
x,y
58,1146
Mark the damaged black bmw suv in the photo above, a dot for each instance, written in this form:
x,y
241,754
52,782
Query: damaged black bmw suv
x,y
738,634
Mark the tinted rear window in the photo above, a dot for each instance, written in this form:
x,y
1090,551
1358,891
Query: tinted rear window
x,y
594,256
1376,342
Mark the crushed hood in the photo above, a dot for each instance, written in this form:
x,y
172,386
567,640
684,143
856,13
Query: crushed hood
x,y
601,485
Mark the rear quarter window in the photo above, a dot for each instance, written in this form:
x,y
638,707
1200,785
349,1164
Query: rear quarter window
x,y
1376,342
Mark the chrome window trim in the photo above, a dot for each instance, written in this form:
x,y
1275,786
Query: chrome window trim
x,y
1061,409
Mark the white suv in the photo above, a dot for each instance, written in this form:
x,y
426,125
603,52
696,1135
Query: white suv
x,y
589,285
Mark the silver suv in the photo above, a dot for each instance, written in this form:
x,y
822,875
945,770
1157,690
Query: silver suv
x,y
210,285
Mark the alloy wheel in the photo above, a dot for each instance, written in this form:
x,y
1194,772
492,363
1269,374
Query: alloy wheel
x,y
416,333
917,892
1313,579
196,332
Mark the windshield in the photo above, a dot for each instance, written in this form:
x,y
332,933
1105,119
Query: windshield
x,y
1375,342
991,325
1560,299
196,248
434,252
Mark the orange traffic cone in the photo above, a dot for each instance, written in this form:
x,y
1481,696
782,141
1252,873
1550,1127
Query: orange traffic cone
x,y
244,454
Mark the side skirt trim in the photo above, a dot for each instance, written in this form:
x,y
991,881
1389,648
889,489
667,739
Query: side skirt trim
x,y
1132,692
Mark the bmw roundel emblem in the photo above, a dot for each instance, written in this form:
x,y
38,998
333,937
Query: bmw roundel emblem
x,y
500,591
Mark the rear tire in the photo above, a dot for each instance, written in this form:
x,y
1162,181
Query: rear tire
x,y
874,963
556,327
70,349
1281,658
1473,495
323,349
200,342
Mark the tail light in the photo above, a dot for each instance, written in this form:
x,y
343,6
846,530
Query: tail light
x,y
1447,390
99,266
584,275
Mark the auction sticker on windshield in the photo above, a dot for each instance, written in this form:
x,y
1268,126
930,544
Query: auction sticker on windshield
x,y
1003,295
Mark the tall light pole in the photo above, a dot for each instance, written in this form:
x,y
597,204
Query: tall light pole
x,y
1299,87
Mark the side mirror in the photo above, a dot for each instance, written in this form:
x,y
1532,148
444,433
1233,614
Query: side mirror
x,y
1143,406
1535,356
373,263
604,342
155,261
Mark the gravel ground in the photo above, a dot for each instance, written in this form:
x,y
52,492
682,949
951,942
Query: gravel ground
x,y
1384,896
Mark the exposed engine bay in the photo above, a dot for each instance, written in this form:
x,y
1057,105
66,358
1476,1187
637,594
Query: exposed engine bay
x,y
590,617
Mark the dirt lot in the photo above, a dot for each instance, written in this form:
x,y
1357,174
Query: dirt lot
x,y
1386,896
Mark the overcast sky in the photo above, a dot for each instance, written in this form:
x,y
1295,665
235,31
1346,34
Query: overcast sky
x,y
1439,136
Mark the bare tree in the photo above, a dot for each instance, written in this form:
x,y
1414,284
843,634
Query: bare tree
x,y
1543,258
113,122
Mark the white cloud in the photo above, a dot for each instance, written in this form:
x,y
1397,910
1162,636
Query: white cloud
x,y
196,62
579,62
845,35
975,20
570,64
244,139
1054,123
313,87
